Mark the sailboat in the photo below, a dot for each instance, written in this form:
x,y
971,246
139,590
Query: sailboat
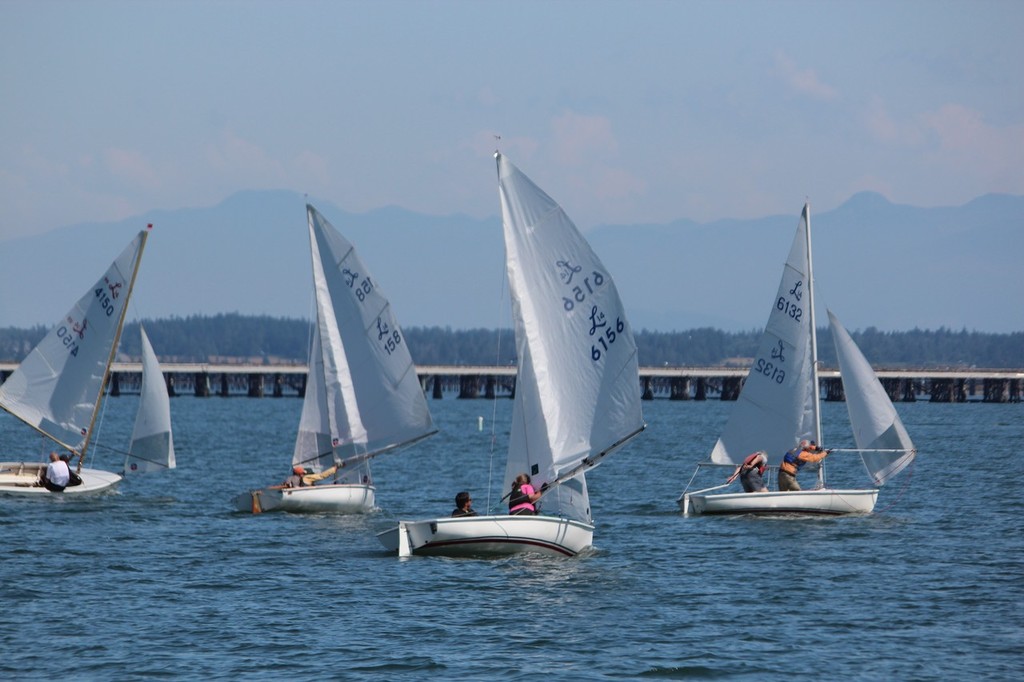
x,y
152,443
577,396
363,397
58,388
779,406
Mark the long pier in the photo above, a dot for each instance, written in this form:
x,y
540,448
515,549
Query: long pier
x,y
464,381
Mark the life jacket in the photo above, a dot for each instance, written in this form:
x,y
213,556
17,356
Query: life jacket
x,y
748,463
791,458
518,497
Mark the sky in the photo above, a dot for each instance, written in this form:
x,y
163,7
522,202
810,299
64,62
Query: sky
x,y
626,112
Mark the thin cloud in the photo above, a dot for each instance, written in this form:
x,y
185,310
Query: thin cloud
x,y
803,81
577,138
131,167
882,126
234,154
967,141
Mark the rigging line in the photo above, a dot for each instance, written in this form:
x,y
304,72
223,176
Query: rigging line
x,y
589,462
494,401
858,450
903,488
111,448
149,461
126,453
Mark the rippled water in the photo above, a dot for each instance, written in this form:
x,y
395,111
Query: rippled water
x,y
164,580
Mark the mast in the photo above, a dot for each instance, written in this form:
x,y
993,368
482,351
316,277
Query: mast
x,y
113,347
815,390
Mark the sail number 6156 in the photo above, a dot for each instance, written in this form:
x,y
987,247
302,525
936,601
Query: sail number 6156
x,y
606,339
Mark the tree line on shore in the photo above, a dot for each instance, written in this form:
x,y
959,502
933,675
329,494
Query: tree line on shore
x,y
272,340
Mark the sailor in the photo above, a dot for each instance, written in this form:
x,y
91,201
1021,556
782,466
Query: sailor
x,y
795,459
296,480
522,497
57,474
463,505
751,472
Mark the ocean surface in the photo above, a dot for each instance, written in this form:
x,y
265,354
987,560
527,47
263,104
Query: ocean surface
x,y
164,580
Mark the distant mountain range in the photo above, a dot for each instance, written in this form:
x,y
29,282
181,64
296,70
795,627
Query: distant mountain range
x,y
877,264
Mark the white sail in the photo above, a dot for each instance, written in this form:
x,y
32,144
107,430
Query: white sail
x,y
577,391
877,428
313,446
363,395
777,406
152,444
58,387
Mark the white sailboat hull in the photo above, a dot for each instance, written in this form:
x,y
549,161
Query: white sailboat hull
x,y
340,498
500,535
824,501
21,478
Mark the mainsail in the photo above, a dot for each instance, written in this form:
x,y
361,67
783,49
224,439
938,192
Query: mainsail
x,y
152,444
57,389
577,391
885,446
777,405
363,396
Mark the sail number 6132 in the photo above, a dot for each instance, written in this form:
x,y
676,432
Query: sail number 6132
x,y
770,370
791,309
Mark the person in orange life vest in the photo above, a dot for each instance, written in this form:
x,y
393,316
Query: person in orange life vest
x,y
523,496
293,481
794,460
300,479
751,471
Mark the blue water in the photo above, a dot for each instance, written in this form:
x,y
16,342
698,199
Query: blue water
x,y
164,580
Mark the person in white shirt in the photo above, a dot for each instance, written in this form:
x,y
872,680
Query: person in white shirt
x,y
57,474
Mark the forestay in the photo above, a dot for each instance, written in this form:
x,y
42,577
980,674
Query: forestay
x,y
885,446
776,407
577,392
57,387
